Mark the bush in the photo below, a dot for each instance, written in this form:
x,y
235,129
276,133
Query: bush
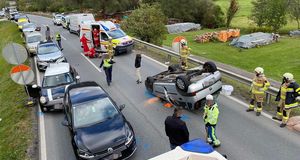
x,y
147,23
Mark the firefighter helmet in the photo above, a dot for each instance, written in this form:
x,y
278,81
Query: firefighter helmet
x,y
288,76
259,70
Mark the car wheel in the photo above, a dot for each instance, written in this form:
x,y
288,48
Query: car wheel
x,y
182,83
149,83
174,68
210,67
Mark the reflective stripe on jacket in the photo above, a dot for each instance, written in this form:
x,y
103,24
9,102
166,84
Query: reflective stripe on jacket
x,y
212,114
292,91
259,85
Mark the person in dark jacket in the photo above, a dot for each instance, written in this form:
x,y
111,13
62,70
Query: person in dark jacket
x,y
137,65
176,129
47,33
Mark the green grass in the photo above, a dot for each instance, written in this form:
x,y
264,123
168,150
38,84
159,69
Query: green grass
x,y
15,127
241,19
276,58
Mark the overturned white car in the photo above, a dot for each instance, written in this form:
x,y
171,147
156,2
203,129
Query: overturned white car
x,y
194,150
188,88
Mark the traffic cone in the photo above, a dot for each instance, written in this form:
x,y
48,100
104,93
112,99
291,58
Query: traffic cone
x,y
168,105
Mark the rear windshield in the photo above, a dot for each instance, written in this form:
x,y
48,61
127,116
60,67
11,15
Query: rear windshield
x,y
47,48
34,39
56,80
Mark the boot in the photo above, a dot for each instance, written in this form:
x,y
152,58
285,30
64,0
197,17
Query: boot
x,y
249,110
258,113
282,125
276,118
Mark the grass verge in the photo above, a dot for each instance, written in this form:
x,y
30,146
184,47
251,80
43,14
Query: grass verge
x,y
16,123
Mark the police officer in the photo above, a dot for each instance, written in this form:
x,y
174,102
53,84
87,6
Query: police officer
x,y
58,40
210,117
107,63
176,129
258,87
184,53
288,97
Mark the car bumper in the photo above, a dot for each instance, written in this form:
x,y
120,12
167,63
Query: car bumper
x,y
123,49
124,152
42,65
55,104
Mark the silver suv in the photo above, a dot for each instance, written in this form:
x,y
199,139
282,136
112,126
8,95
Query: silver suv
x,y
55,81
32,39
188,88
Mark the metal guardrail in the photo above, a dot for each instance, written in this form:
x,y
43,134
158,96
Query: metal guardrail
x,y
272,91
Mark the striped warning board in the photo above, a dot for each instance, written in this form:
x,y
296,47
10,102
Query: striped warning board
x,y
22,74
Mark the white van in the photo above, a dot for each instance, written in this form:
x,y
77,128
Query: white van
x,y
77,19
123,42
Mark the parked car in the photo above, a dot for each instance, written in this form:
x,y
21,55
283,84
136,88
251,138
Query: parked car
x,y
32,39
21,16
57,77
98,128
57,19
48,52
21,23
188,88
194,150
66,22
30,27
2,14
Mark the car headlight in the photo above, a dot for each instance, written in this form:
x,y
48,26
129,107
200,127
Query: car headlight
x,y
84,154
129,136
43,99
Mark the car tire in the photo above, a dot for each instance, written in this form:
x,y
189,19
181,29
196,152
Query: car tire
x,y
182,83
174,68
149,83
210,67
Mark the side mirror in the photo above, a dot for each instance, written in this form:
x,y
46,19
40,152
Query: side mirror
x,y
65,123
77,77
121,107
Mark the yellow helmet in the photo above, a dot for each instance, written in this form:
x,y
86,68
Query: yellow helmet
x,y
288,76
259,70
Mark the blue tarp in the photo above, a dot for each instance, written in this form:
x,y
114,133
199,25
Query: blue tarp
x,y
197,146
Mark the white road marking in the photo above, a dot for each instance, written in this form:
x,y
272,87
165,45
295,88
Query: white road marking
x,y
42,136
98,69
63,37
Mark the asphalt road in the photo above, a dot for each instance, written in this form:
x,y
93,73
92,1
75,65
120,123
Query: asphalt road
x,y
243,136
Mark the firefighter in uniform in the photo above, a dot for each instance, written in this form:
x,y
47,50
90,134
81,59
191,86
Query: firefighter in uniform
x,y
210,117
110,48
288,97
184,53
258,87
58,40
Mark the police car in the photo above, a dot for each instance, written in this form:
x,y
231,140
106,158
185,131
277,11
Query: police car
x,y
57,78
187,88
194,150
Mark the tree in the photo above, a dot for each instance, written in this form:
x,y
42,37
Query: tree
x,y
232,10
270,13
147,23
294,10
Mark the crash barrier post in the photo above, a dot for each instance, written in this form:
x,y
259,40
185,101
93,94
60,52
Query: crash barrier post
x,y
272,91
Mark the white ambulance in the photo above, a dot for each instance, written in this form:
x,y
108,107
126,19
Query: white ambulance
x,y
194,150
123,43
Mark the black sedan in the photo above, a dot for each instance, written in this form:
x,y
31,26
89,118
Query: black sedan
x,y
98,128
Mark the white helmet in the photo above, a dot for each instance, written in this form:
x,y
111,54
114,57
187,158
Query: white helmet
x,y
288,76
259,70
183,42
209,97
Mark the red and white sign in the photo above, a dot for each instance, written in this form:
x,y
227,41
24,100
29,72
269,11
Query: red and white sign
x,y
176,43
22,74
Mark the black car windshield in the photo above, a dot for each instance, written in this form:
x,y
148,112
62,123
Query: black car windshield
x,y
92,112
115,34
34,39
56,80
47,48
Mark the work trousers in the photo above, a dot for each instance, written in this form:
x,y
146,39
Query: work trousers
x,y
258,98
59,44
108,73
138,73
211,133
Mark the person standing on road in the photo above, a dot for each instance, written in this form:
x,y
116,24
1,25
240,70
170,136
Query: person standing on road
x,y
58,40
107,64
210,117
176,129
96,37
84,41
288,97
47,33
184,53
137,64
258,88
